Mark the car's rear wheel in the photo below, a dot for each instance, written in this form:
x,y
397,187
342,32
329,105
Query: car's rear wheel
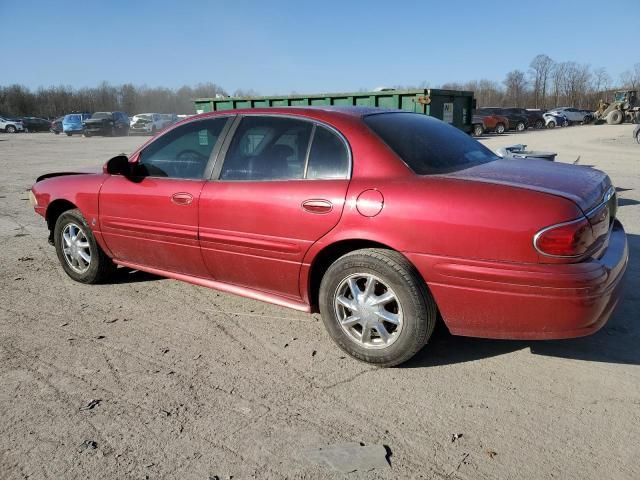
x,y
551,124
376,306
500,128
79,254
478,130
539,124
69,134
520,126
10,129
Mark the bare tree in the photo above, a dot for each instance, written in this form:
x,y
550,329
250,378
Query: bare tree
x,y
516,83
541,67
630,79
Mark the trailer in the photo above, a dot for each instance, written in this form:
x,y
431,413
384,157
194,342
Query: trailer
x,y
451,106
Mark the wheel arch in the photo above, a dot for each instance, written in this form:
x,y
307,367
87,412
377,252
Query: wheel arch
x,y
329,254
54,210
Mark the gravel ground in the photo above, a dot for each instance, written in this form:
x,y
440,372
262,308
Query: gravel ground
x,y
194,384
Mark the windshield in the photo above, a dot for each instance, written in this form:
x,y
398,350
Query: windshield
x,y
143,116
620,97
72,118
99,115
427,145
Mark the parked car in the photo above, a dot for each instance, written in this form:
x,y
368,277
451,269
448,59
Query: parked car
x,y
363,214
555,120
169,118
56,126
147,123
35,124
9,125
489,123
517,121
534,116
636,133
74,122
106,123
573,114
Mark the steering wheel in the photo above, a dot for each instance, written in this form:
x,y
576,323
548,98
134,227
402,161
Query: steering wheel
x,y
188,154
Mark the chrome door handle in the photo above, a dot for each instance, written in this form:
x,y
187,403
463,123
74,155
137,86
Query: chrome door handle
x,y
182,198
317,205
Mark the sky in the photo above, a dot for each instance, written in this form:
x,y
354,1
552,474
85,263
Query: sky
x,y
279,47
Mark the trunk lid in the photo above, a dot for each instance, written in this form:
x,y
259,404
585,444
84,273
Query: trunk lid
x,y
585,186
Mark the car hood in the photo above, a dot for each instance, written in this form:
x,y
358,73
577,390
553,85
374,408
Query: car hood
x,y
585,186
78,171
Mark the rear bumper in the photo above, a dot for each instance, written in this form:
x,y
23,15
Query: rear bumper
x,y
517,301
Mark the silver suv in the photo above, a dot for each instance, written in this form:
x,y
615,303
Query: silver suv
x,y
10,126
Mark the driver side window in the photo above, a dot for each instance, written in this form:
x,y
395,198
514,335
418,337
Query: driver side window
x,y
183,152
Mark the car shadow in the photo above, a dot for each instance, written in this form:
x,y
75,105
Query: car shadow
x,y
623,202
125,275
616,342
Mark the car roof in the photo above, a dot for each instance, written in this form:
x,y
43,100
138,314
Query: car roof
x,y
343,111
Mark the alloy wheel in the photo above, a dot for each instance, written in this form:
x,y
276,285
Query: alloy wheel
x,y
368,311
76,248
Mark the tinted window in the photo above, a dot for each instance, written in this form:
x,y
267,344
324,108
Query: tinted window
x,y
428,145
328,157
267,148
182,153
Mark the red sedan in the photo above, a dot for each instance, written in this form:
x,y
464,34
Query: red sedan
x,y
381,220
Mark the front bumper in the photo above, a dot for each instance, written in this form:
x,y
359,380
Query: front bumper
x,y
134,130
517,301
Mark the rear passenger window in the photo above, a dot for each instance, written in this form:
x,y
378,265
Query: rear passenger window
x,y
328,157
267,148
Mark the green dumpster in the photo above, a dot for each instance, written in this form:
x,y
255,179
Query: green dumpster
x,y
451,106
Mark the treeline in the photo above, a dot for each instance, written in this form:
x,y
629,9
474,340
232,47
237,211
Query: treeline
x,y
545,84
17,100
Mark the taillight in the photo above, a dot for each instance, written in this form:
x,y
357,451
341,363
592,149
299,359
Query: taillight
x,y
569,239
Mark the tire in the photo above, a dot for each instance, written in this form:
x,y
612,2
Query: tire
x,y
586,120
99,266
477,130
69,134
86,134
10,129
520,127
500,128
388,273
638,137
615,117
551,124
539,124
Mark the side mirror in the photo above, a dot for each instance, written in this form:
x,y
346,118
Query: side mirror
x,y
118,165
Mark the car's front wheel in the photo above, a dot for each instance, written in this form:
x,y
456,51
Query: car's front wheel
x,y
478,130
551,124
10,129
539,124
376,306
81,257
500,128
520,127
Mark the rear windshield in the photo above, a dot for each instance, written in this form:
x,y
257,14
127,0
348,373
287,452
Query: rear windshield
x,y
101,115
72,118
427,145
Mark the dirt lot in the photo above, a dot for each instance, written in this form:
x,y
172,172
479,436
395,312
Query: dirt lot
x,y
194,384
